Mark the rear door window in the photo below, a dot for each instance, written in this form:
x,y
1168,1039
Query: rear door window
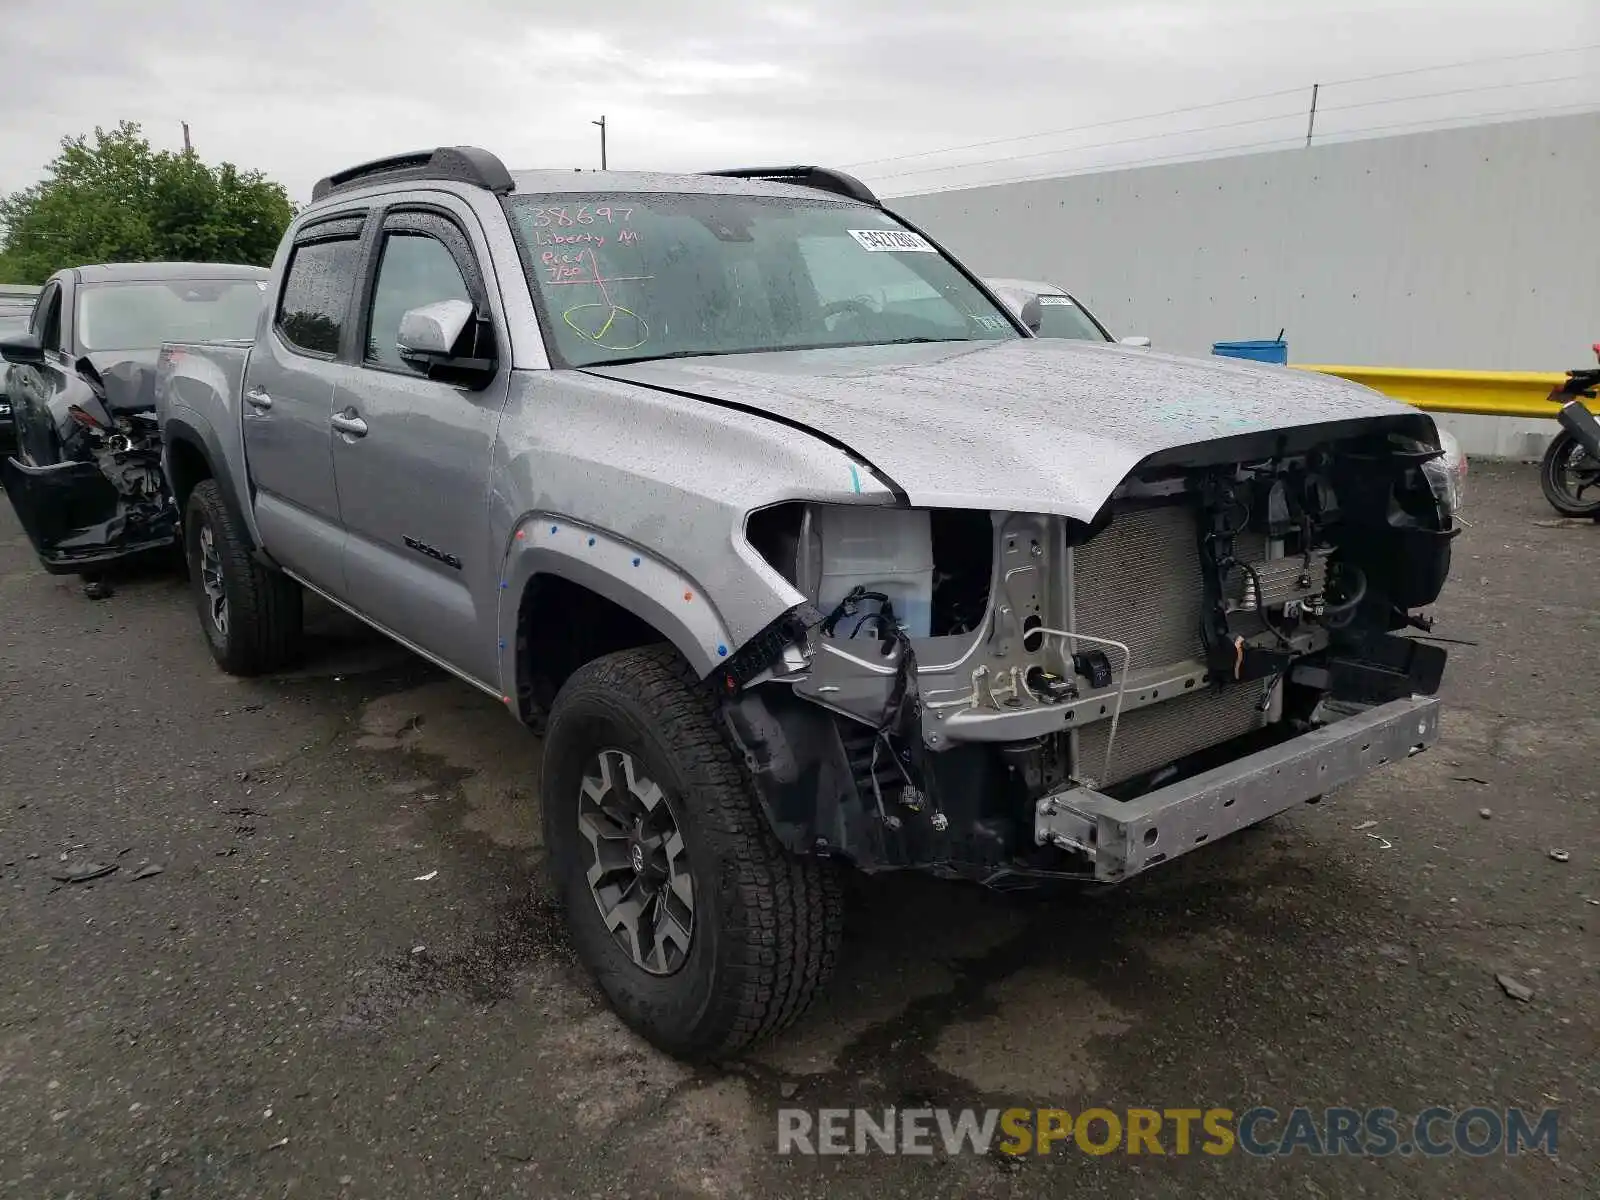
x,y
316,294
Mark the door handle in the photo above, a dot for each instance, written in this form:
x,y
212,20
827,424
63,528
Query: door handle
x,y
256,398
349,423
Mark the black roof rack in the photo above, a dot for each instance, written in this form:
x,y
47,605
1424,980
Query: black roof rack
x,y
822,178
459,164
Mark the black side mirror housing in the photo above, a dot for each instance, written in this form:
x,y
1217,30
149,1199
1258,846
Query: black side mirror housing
x,y
23,349
1031,314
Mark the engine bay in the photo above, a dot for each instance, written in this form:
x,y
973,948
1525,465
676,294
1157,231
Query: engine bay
x,y
973,662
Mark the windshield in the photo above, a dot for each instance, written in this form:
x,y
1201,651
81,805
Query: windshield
x,y
1060,317
140,316
626,277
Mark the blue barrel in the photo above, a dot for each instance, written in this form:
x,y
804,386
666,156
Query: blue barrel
x,y
1274,351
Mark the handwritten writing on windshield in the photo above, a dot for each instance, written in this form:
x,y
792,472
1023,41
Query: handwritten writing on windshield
x,y
581,267
606,323
546,237
566,215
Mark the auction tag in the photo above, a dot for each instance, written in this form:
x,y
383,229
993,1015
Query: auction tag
x,y
1063,301
892,239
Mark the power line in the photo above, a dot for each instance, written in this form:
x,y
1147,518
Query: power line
x,y
1224,103
984,162
1138,162
1487,87
1472,62
1023,137
1221,151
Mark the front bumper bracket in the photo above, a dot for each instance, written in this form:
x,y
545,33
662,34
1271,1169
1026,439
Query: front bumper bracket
x,y
1123,838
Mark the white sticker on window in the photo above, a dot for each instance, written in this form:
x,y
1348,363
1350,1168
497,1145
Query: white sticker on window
x,y
1065,301
892,239
261,285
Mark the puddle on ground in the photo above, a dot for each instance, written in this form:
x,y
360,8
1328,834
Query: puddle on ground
x,y
856,1001
1035,1041
451,722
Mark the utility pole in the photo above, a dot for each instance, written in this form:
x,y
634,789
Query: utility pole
x,y
602,123
1312,123
186,147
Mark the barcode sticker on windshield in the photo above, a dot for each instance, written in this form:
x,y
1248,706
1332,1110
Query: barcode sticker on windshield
x,y
892,239
1062,300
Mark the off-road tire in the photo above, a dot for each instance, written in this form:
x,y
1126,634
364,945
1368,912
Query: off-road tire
x,y
767,925
1552,484
265,607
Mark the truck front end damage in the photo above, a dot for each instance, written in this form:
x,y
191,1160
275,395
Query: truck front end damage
x,y
1009,697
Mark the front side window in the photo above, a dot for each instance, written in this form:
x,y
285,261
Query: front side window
x,y
142,315
316,294
651,275
415,270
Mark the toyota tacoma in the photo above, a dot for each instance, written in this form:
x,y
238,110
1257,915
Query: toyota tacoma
x,y
800,550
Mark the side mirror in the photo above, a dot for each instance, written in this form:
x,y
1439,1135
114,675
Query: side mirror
x,y
430,337
1031,314
1138,343
430,333
23,349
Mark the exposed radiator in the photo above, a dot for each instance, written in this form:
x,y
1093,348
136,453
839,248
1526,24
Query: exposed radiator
x,y
1139,582
1152,737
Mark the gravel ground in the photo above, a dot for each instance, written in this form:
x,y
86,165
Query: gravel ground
x,y
347,978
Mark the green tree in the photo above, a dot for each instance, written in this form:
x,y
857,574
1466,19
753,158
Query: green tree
x,y
114,199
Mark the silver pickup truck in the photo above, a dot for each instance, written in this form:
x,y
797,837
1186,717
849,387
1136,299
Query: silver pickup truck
x,y
800,550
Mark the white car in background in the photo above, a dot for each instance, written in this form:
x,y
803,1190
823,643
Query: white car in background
x,y
1061,314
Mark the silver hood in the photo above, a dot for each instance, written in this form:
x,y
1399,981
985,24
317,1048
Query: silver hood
x,y
1033,425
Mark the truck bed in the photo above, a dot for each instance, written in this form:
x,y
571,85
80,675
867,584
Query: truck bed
x,y
199,393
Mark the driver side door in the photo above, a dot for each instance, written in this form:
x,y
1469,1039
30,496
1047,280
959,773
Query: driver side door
x,y
412,451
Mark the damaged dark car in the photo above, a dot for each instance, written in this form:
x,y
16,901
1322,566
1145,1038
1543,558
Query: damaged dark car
x,y
84,474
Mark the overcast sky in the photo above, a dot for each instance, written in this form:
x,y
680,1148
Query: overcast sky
x,y
298,88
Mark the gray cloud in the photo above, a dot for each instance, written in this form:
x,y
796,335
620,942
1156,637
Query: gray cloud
x,y
299,88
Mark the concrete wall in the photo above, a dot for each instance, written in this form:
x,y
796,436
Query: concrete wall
x,y
1474,248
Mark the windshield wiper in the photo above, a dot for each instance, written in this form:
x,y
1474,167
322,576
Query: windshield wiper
x,y
914,341
639,358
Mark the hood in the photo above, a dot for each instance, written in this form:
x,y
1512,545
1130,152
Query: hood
x,y
1032,425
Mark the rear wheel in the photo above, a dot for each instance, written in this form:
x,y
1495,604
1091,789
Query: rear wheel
x,y
1569,478
704,934
251,614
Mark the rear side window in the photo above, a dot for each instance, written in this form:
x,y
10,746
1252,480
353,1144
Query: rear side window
x,y
316,294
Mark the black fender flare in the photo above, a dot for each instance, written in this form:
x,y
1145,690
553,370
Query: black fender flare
x,y
198,434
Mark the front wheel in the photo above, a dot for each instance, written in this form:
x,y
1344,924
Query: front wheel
x,y
252,615
1569,478
704,934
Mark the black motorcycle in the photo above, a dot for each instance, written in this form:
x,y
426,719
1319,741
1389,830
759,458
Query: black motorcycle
x,y
1570,472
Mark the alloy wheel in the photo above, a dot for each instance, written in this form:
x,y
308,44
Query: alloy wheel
x,y
211,581
637,865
